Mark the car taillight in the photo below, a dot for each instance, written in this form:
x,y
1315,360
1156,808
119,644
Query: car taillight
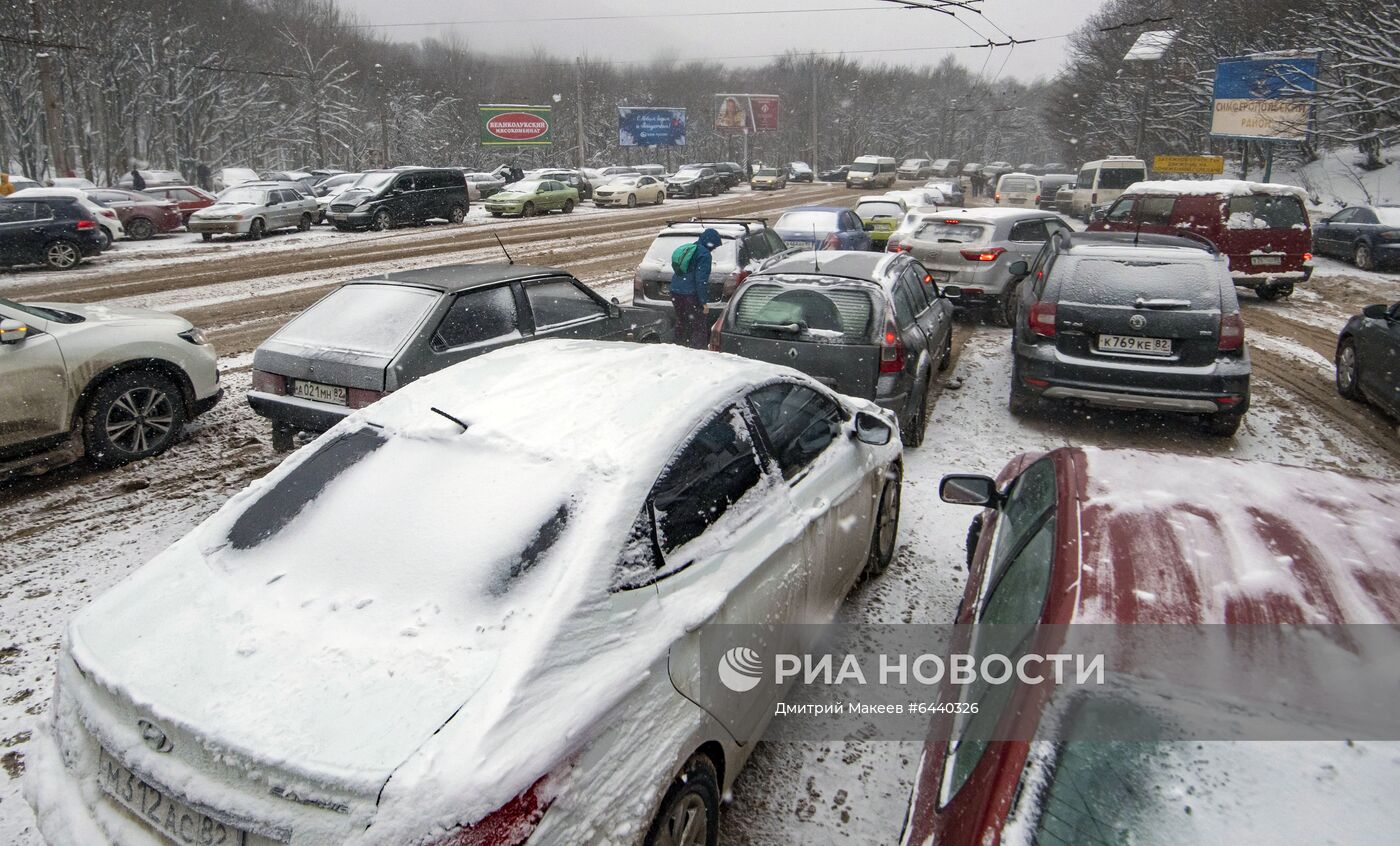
x,y
894,247
1037,198
891,349
84,225
983,255
361,397
997,196
108,213
269,383
832,242
1231,333
1042,319
733,282
1307,256
509,825
715,333
639,288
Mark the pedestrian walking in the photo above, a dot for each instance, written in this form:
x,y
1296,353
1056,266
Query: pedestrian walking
x,y
690,286
201,176
138,183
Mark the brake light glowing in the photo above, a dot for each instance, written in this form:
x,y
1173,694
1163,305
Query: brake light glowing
x,y
891,347
892,247
1042,319
997,196
1307,256
269,383
952,221
1231,333
983,255
85,225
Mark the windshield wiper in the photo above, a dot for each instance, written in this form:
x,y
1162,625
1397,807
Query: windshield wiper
x,y
1160,303
790,328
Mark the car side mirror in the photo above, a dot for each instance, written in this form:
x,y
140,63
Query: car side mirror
x,y
614,310
1379,311
872,430
1020,269
13,331
969,489
1097,215
951,292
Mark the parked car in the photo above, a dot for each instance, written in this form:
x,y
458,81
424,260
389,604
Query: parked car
x,y
1017,189
731,174
1080,536
254,209
837,174
692,181
142,215
871,172
993,171
371,337
1050,185
72,182
617,170
229,177
823,228
1064,199
768,179
57,232
329,188
969,171
946,168
1103,181
305,182
1054,167
115,384
572,178
563,587
486,185
383,199
800,172
321,174
1263,228
916,169
746,246
912,221
22,182
108,222
868,326
187,198
529,197
656,170
1368,357
153,177
920,196
951,189
629,191
975,248
1367,235
880,215
1031,168
1130,321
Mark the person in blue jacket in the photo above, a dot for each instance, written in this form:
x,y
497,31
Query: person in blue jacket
x,y
690,293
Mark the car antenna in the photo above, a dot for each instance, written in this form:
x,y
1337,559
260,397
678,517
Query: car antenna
x,y
436,410
816,266
508,259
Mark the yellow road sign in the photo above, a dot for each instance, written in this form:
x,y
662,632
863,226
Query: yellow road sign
x,y
1189,164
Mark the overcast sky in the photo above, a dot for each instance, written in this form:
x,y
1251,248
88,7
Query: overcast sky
x,y
867,30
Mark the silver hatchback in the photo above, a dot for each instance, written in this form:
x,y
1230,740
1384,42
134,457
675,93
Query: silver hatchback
x,y
975,248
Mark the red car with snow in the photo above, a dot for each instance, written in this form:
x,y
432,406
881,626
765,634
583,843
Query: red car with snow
x,y
141,214
187,198
1263,227
1180,543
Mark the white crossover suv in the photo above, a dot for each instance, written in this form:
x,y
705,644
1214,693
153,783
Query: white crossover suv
x,y
115,384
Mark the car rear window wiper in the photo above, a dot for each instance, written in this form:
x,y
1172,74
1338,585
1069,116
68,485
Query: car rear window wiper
x,y
790,328
1161,303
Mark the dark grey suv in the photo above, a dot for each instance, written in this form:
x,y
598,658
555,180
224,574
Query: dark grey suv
x,y
869,325
373,336
1137,322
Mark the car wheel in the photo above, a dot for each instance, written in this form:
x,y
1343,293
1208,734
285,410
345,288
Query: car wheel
x,y
257,229
133,415
206,237
1347,371
689,812
947,360
381,222
457,215
886,533
495,214
1222,425
1362,257
1269,292
304,224
106,239
631,201
568,206
1006,309
1022,400
62,255
139,229
912,432
527,210
660,197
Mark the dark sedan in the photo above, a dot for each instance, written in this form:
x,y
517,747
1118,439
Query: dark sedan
x,y
370,337
141,214
1368,357
1369,236
835,174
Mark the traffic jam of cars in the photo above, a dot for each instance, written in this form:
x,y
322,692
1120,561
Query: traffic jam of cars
x,y
443,551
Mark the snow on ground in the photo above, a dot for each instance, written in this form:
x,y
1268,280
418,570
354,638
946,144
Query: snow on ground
x,y
1335,180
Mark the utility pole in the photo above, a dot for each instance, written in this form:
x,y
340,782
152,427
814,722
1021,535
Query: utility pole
x,y
383,115
578,108
53,126
1142,116
814,114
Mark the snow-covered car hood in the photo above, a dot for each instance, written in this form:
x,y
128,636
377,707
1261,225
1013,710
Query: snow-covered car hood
x,y
97,313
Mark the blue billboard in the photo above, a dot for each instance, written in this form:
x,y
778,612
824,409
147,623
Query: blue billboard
x,y
650,126
1264,96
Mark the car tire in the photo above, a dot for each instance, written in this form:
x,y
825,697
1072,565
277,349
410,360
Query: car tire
x,y
1363,259
527,210
947,360
1222,425
495,214
257,229
1348,371
689,812
568,207
631,201
304,224
106,238
660,198
885,536
1006,307
132,415
139,229
457,215
912,431
206,237
1022,400
382,221
62,255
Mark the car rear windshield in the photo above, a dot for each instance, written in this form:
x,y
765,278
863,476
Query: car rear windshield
x,y
661,249
371,319
874,209
1018,183
943,232
1267,211
1117,178
1121,281
832,314
806,221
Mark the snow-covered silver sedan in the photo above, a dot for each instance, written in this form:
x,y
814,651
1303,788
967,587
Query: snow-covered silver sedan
x,y
483,610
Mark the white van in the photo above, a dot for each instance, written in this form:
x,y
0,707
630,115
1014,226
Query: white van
x,y
1100,182
1018,189
871,172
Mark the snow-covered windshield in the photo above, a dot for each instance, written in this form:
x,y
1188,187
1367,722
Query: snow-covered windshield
x,y
375,180
806,221
660,250
525,186
873,209
371,319
244,196
1388,215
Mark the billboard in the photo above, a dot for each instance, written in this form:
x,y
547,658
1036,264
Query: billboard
x,y
650,126
747,112
1264,96
511,126
1189,164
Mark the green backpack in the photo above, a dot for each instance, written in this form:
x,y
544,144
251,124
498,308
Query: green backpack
x,y
682,258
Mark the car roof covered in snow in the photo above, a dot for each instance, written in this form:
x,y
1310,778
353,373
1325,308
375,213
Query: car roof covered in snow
x,y
861,264
451,278
1213,188
1200,539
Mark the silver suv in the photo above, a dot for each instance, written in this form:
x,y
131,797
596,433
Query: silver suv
x,y
116,384
749,244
